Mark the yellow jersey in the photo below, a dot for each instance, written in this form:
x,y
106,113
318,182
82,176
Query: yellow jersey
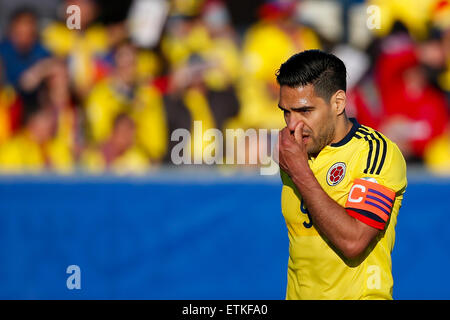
x,y
366,174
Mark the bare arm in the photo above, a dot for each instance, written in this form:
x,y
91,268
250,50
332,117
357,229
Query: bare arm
x,y
33,76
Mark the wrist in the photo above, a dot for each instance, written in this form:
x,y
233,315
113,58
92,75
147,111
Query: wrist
x,y
302,178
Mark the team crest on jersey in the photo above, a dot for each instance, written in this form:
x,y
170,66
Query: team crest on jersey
x,y
336,173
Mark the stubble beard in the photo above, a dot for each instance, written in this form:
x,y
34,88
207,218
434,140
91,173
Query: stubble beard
x,y
321,142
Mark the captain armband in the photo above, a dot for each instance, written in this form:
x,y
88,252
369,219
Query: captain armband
x,y
370,202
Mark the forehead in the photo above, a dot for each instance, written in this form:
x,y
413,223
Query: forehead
x,y
297,97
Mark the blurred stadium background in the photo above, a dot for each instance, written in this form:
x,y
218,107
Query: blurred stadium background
x,y
86,118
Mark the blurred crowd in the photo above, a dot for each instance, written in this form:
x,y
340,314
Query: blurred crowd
x,y
107,96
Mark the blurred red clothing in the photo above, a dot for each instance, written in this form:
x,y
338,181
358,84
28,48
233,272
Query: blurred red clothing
x,y
11,112
403,96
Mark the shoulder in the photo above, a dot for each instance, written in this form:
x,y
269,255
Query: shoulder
x,y
97,38
58,39
381,159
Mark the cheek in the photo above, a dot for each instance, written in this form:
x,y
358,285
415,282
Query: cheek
x,y
314,128
320,135
322,125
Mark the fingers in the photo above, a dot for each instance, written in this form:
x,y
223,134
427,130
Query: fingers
x,y
283,141
298,132
283,135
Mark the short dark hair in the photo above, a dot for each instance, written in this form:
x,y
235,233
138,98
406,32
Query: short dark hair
x,y
325,71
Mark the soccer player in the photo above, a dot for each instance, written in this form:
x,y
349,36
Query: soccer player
x,y
343,185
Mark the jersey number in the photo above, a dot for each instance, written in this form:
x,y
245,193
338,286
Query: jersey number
x,y
307,224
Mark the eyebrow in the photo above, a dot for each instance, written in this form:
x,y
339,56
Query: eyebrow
x,y
299,109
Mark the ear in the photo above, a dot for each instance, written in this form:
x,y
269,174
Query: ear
x,y
339,101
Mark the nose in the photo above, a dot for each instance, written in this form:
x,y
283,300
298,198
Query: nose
x,y
293,123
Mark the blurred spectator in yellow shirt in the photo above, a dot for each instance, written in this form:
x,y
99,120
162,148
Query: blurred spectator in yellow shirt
x,y
50,80
414,14
201,46
31,150
82,46
123,92
190,99
266,45
119,154
208,34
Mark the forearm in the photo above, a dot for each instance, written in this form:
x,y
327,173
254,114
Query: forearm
x,y
328,216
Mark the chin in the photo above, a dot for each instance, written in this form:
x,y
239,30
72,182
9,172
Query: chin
x,y
312,151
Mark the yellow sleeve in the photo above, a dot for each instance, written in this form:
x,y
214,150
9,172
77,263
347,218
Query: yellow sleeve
x,y
58,39
102,106
387,166
151,124
97,39
379,182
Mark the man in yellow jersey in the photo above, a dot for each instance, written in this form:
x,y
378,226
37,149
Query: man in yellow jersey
x,y
343,185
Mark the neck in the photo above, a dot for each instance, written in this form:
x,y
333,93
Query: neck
x,y
343,127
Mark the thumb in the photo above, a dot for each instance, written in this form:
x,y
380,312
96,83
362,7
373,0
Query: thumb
x,y
298,133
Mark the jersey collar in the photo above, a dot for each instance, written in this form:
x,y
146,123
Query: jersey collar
x,y
349,135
